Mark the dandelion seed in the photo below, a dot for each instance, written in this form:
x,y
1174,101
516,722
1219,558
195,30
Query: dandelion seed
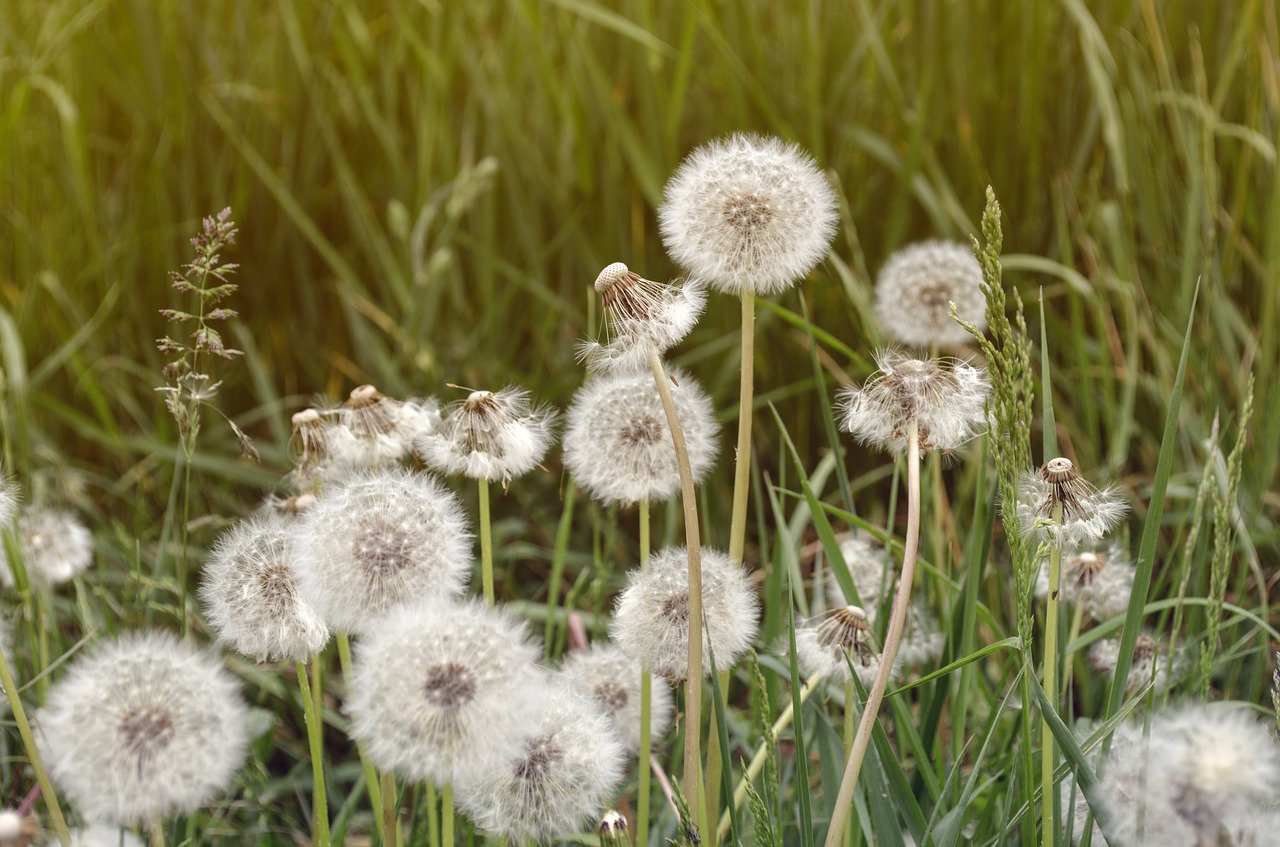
x,y
642,318
1087,513
251,595
944,397
493,436
378,540
441,689
606,675
1150,662
144,727
17,830
558,778
617,443
1099,580
748,213
916,288
55,546
651,622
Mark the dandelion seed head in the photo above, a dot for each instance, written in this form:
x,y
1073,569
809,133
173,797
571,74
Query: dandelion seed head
x,y
378,540
143,727
55,546
251,595
440,688
606,675
916,288
617,443
1087,513
1150,662
839,640
748,213
642,318
492,435
871,572
1099,580
651,622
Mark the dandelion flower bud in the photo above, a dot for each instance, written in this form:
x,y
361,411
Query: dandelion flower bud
x,y
944,397
434,687
251,595
1099,580
491,435
916,288
609,677
1087,513
1150,663
144,727
642,317
55,546
18,830
378,540
748,213
558,777
617,443
651,622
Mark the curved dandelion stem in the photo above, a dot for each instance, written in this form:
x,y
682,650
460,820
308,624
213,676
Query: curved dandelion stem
x,y
486,543
315,741
33,754
646,707
901,606
1050,685
742,459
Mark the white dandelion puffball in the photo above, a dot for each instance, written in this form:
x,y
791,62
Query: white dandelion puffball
x,y
142,728
1087,514
491,435
945,398
643,318
1151,662
617,443
442,688
55,546
378,540
871,571
609,677
651,622
17,830
101,835
557,781
251,595
10,496
916,288
748,214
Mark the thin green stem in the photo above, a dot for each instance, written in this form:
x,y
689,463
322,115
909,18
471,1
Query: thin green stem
x,y
390,818
370,773
715,761
315,741
446,819
901,604
693,679
849,699
1049,833
157,832
486,543
646,707
433,816
189,449
58,822
746,403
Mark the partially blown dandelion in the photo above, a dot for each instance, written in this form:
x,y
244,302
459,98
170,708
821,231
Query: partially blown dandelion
x,y
1057,503
605,674
1100,581
837,642
916,287
493,436
642,317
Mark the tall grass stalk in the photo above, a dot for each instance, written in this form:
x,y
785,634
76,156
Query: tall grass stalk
x,y
643,778
33,754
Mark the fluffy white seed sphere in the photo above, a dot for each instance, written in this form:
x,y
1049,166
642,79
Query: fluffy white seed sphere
x,y
651,622
916,287
55,546
144,727
491,435
617,443
611,679
748,213
378,540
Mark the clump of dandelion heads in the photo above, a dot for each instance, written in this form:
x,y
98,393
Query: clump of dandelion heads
x,y
557,779
367,431
1100,581
440,689
642,318
944,397
144,727
251,595
916,288
55,546
617,443
1151,662
492,435
1087,513
651,622
839,640
748,213
378,540
611,679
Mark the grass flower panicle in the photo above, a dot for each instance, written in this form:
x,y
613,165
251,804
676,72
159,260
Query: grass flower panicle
x,y
605,674
144,727
748,213
1087,513
378,540
1151,662
945,398
617,443
1100,581
651,622
251,595
55,546
915,290
441,689
558,778
494,436
642,317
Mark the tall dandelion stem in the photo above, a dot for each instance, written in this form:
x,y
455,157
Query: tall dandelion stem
x,y
33,754
446,818
746,402
901,604
390,822
693,680
315,741
157,833
486,543
370,774
646,708
1050,684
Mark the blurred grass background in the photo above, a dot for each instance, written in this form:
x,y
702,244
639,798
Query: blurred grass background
x,y
426,191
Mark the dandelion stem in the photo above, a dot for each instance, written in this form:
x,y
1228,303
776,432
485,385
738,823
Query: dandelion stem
x,y
33,754
1047,795
390,823
433,816
742,459
486,543
646,708
315,741
446,819
157,833
693,679
901,604
370,774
